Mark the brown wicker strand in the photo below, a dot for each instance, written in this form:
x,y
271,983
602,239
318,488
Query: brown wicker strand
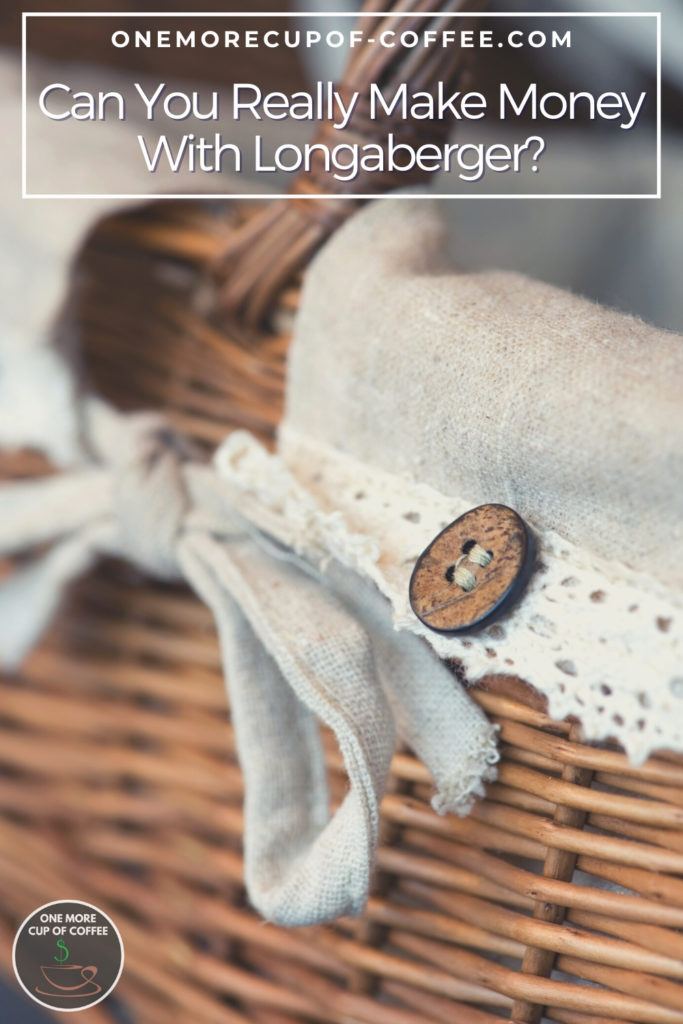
x,y
275,245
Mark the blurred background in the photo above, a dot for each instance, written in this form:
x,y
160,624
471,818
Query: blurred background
x,y
625,253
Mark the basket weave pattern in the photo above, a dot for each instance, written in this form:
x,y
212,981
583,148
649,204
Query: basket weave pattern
x,y
119,783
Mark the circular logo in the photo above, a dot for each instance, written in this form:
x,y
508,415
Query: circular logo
x,y
68,955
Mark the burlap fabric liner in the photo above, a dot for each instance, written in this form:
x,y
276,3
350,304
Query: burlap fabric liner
x,y
416,393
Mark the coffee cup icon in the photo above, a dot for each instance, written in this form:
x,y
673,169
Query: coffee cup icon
x,y
69,981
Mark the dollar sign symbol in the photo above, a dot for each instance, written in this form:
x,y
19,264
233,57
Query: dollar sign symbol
x,y
64,952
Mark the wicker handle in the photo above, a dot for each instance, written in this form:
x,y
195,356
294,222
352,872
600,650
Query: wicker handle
x,y
275,244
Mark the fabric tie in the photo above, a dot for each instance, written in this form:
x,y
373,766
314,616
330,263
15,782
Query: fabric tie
x,y
300,642
150,498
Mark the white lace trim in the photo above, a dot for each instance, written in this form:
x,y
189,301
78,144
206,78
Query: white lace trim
x,y
601,642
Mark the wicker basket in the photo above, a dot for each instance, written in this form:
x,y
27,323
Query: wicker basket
x,y
560,896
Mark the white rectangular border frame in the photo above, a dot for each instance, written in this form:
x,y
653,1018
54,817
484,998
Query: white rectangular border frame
x,y
332,14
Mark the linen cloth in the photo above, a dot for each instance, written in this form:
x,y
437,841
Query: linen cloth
x,y
416,393
302,642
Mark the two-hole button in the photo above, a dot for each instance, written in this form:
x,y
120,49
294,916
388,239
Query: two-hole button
x,y
473,571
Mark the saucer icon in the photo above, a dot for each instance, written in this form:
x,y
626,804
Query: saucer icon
x,y
68,981
62,977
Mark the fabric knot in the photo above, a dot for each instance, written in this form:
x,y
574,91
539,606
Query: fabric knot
x,y
298,645
149,497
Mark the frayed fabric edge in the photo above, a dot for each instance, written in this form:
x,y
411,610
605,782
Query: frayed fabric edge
x,y
461,798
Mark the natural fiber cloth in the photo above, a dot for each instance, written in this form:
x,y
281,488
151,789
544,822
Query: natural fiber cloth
x,y
491,384
299,644
416,393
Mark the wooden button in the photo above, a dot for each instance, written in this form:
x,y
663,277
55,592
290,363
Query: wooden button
x,y
473,571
